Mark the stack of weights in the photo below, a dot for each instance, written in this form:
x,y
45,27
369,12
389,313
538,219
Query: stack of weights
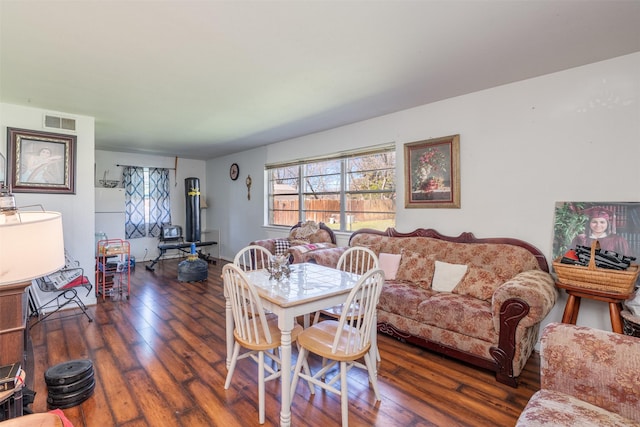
x,y
193,269
69,383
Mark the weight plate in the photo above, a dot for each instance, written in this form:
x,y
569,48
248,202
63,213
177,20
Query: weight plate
x,y
68,372
72,399
62,390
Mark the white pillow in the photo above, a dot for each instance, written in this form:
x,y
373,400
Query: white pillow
x,y
447,276
389,263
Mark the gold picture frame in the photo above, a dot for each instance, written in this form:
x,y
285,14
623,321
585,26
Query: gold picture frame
x,y
432,173
41,162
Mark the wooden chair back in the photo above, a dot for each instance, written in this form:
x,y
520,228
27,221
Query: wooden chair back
x,y
250,323
359,313
252,257
358,260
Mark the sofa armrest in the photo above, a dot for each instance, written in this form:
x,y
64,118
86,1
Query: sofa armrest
x,y
306,252
535,287
599,367
327,257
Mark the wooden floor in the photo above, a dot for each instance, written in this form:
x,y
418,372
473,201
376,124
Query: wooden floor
x,y
159,360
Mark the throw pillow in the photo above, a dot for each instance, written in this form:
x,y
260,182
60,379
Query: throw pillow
x,y
389,263
282,246
447,276
417,268
478,283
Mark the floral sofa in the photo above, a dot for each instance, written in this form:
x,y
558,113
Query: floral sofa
x,y
588,378
490,318
304,238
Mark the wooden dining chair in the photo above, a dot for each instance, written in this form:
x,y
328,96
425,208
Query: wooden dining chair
x,y
253,330
252,257
356,259
343,341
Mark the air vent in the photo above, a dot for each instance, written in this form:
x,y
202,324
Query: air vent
x,y
55,122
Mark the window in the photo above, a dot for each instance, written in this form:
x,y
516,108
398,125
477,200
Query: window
x,y
346,192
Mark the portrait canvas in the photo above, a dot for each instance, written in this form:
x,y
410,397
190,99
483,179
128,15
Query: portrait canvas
x,y
41,162
616,226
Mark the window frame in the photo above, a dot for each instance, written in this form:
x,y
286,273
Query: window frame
x,y
342,193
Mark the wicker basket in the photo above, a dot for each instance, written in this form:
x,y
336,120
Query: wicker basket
x,y
591,277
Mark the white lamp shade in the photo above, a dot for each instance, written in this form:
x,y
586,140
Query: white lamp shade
x,y
31,246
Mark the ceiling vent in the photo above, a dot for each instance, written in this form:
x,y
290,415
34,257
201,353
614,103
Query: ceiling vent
x,y
55,122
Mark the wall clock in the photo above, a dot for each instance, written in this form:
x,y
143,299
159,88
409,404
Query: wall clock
x,y
234,171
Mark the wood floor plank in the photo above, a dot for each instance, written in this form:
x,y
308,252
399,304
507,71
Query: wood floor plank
x,y
160,360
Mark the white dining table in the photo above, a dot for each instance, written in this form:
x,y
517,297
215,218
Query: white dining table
x,y
309,288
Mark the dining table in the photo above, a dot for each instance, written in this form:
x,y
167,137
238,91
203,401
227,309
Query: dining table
x,y
308,288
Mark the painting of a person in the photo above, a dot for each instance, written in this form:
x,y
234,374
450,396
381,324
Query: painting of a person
x,y
43,168
602,226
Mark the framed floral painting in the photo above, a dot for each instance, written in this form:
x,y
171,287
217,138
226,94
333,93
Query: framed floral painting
x,y
432,173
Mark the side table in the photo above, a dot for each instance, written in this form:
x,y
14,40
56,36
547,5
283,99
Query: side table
x,y
576,293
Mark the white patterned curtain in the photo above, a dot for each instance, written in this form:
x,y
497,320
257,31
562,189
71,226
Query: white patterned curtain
x,y
159,203
135,198
134,202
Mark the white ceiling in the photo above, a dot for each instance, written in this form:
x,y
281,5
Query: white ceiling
x,y
200,79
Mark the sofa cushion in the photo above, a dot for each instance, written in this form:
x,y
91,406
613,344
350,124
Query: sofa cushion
x,y
389,263
458,313
557,409
402,297
417,268
478,283
447,276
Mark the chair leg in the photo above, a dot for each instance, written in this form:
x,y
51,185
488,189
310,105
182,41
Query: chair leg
x,y
261,403
232,365
373,377
344,394
302,353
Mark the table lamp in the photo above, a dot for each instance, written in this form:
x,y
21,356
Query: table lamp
x,y
31,246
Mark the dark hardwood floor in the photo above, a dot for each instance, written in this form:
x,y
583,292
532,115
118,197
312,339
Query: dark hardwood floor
x,y
159,360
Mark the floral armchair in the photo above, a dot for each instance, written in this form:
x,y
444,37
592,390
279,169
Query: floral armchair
x,y
304,238
588,377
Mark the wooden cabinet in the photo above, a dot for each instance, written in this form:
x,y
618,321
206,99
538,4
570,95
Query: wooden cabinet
x,y
13,323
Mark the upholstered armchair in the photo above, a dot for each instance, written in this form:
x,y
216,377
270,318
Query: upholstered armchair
x,y
304,238
588,377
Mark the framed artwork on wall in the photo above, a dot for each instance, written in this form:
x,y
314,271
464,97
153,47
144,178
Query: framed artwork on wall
x,y
616,226
432,173
41,162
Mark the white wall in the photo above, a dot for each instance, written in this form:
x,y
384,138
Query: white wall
x,y
572,135
146,248
77,209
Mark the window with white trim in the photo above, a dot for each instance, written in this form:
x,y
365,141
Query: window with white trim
x,y
347,191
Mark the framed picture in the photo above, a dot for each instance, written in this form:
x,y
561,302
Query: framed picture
x,y
432,173
616,226
41,162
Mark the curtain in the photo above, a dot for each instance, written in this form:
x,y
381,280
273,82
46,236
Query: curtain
x,y
134,202
159,203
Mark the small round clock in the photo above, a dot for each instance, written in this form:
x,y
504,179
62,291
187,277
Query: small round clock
x,y
234,171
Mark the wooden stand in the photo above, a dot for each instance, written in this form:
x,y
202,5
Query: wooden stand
x,y
13,322
614,300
